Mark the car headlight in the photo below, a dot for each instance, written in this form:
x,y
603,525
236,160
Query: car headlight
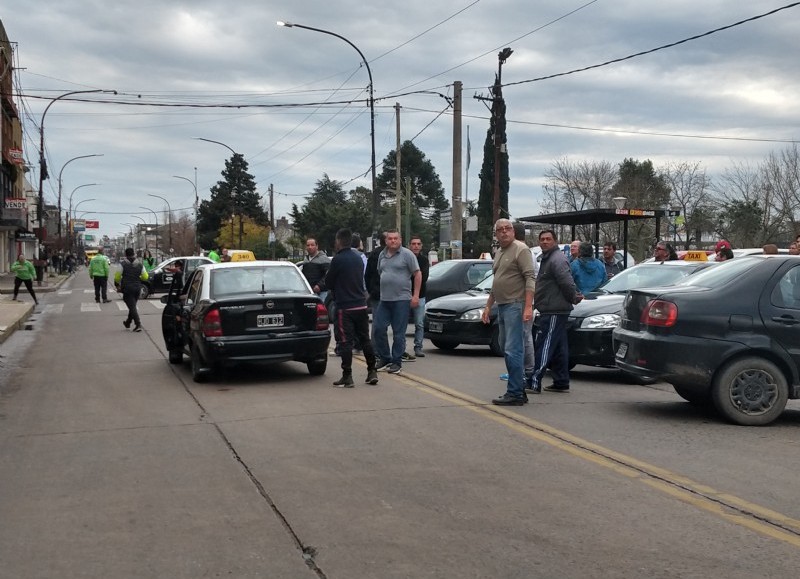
x,y
600,321
472,315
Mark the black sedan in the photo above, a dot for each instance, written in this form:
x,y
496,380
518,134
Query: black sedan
x,y
728,336
455,275
593,319
245,312
456,319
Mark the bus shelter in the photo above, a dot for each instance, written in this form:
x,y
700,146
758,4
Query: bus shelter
x,y
597,216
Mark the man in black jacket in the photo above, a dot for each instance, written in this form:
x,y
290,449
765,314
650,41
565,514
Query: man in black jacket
x,y
554,296
345,278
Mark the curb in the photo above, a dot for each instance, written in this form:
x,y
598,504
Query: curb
x,y
6,331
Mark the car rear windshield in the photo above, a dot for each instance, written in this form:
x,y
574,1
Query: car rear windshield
x,y
227,282
647,275
442,268
723,273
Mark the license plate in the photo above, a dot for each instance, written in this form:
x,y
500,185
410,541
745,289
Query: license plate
x,y
436,327
622,350
271,321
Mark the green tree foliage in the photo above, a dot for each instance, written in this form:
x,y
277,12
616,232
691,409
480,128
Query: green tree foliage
x,y
328,209
497,125
742,222
644,189
427,193
235,194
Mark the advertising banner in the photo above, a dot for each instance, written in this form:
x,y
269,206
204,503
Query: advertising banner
x,y
78,225
90,224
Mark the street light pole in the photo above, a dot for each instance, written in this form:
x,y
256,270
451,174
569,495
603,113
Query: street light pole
x,y
169,219
59,185
155,215
375,196
196,202
70,214
79,203
42,162
237,202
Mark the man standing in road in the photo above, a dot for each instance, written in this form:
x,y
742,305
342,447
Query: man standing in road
x,y
512,291
419,312
315,266
609,259
131,278
400,281
555,295
98,273
345,278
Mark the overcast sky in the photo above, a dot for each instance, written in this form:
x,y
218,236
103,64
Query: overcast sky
x,y
675,104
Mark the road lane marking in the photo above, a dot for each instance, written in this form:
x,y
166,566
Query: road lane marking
x,y
90,307
726,506
53,308
122,307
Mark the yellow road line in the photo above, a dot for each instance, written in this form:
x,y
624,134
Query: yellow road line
x,y
729,507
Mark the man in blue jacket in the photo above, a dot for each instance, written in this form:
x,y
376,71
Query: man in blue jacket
x,y
554,296
345,278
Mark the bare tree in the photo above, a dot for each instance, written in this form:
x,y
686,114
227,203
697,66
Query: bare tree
x,y
781,174
578,185
692,195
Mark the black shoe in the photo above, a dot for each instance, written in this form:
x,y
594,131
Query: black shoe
x,y
137,328
372,377
346,381
555,388
127,324
419,353
531,390
394,368
106,301
506,400
524,398
96,300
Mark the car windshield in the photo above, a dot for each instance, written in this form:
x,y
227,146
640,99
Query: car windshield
x,y
721,274
226,282
646,275
485,284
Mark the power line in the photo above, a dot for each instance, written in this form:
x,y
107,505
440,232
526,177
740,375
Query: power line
x,y
670,45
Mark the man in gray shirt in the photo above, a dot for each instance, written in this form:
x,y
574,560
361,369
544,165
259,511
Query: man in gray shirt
x,y
400,282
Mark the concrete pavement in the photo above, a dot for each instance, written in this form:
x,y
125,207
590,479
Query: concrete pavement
x,y
14,314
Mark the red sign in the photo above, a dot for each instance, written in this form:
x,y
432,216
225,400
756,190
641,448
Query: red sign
x,y
92,224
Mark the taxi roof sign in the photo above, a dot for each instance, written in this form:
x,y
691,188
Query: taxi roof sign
x,y
696,256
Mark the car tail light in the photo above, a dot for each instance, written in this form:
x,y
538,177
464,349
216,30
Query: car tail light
x,y
322,317
212,324
660,313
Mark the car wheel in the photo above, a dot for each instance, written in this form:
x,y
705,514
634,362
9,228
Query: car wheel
x,y
144,291
445,345
693,396
317,367
494,345
750,391
175,356
199,372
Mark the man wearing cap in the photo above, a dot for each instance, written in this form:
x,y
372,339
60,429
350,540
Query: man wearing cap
x,y
722,249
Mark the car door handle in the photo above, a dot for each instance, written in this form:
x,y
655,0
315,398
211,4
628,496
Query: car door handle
x,y
787,320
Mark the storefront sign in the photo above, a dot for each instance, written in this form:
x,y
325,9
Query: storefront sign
x,y
90,224
14,203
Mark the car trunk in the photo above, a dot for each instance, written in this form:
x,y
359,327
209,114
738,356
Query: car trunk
x,y
273,315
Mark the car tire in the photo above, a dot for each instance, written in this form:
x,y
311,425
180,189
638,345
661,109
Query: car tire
x,y
444,345
494,345
200,373
693,396
317,367
144,292
175,356
750,391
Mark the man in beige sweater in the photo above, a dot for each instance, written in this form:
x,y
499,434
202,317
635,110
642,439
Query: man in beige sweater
x,y
512,292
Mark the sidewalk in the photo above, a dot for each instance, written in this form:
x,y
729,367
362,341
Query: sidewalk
x,y
14,314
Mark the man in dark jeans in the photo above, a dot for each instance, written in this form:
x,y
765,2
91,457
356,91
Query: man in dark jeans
x,y
345,278
131,282
554,297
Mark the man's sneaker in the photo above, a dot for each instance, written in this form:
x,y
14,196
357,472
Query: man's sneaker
x,y
346,381
106,301
394,368
504,377
409,357
533,390
419,353
127,324
137,328
555,388
506,400
97,300
372,377
383,366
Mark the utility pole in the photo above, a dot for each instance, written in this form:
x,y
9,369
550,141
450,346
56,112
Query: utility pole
x,y
397,171
271,207
455,226
498,111
408,210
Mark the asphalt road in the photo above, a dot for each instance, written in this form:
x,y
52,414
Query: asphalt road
x,y
115,464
